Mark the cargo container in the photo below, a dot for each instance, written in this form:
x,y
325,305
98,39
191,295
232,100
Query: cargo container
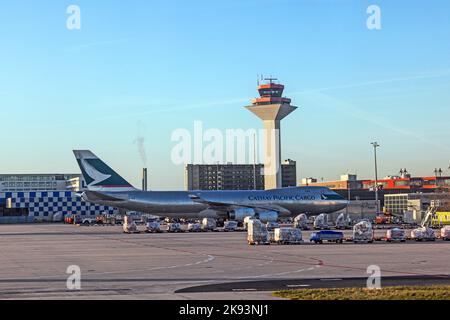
x,y
246,220
257,232
194,227
363,232
445,233
301,222
271,226
153,227
174,227
129,226
230,225
423,234
342,222
208,224
287,236
320,222
395,234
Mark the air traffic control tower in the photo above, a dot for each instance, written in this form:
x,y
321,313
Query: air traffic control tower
x,y
271,107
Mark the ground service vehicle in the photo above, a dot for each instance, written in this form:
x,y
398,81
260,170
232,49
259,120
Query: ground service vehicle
x,y
382,219
72,219
89,221
230,225
327,235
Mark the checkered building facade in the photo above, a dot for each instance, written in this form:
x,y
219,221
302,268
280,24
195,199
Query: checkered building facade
x,y
43,204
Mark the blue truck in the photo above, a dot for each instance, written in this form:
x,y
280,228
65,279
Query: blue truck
x,y
326,235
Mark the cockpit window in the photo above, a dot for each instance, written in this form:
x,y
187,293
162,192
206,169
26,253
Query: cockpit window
x,y
334,196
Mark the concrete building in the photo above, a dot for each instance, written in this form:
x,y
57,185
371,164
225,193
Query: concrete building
x,y
288,173
308,181
40,182
398,204
350,187
346,181
271,107
234,176
404,182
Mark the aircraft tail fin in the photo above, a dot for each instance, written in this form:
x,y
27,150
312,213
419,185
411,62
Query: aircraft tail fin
x,y
98,175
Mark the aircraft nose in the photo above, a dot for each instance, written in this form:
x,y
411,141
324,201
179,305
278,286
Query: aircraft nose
x,y
343,204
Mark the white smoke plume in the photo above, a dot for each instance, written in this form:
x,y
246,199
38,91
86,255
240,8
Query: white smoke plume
x,y
140,141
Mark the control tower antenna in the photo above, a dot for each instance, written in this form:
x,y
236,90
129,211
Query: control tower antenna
x,y
270,79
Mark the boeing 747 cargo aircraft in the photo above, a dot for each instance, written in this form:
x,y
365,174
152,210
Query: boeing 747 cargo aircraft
x,y
106,187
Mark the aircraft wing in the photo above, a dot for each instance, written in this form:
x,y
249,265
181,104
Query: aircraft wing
x,y
225,206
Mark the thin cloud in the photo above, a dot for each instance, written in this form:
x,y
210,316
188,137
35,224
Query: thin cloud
x,y
443,73
153,109
82,46
358,113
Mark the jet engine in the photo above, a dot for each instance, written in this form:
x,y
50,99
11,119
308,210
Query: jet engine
x,y
240,213
268,216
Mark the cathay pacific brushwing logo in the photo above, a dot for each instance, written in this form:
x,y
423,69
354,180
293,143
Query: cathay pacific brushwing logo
x,y
97,176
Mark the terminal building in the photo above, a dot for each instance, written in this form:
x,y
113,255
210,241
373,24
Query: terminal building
x,y
235,176
43,197
398,204
41,182
404,182
397,194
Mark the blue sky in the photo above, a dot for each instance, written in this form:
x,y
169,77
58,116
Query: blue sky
x,y
146,68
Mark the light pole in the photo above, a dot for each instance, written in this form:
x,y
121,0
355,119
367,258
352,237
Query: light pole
x,y
348,192
254,161
375,146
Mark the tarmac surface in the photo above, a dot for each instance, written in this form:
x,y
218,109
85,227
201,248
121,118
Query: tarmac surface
x,y
205,265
